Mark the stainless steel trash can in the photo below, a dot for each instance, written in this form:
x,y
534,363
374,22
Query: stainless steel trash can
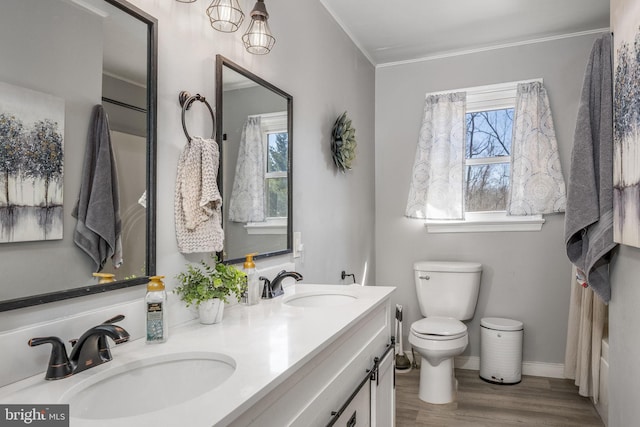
x,y
501,350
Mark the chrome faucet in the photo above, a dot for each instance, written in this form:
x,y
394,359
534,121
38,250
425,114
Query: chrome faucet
x,y
273,288
91,349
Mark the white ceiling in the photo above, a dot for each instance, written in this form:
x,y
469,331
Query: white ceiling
x,y
389,31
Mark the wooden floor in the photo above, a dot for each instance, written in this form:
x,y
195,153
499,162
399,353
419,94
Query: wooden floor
x,y
536,401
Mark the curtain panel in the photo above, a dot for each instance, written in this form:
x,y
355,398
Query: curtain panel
x,y
537,185
246,203
436,189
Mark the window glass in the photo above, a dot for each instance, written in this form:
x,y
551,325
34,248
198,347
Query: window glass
x,y
277,197
277,152
487,152
487,187
276,174
489,133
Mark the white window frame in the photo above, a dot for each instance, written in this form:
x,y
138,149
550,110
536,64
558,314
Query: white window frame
x,y
485,98
270,123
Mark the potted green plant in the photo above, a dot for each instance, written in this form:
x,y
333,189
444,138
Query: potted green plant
x,y
208,287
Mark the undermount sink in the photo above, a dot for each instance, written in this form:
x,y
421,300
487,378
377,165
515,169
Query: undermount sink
x,y
319,299
148,385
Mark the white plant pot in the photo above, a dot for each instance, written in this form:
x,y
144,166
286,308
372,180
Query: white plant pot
x,y
210,311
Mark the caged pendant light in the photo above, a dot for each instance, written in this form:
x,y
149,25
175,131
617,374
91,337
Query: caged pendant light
x,y
258,38
225,15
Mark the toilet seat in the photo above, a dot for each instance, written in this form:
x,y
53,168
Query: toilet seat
x,y
439,328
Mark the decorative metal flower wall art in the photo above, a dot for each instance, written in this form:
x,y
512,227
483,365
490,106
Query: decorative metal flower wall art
x,y
343,143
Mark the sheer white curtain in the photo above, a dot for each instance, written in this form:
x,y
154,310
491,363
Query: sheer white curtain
x,y
436,190
537,185
246,203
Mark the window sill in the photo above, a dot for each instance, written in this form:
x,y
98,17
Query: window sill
x,y
480,223
278,226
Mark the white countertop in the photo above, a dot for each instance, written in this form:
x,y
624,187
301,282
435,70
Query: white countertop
x,y
267,342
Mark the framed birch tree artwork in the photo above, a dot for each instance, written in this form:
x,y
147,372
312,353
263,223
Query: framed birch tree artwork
x,y
626,122
31,165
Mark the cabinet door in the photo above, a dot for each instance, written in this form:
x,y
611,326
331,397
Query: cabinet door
x,y
357,414
383,393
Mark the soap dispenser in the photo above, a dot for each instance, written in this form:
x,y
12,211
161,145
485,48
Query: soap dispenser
x,y
104,278
253,292
155,303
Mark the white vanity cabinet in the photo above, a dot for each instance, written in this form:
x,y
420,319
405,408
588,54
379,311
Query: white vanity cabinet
x,y
292,365
383,393
373,402
320,387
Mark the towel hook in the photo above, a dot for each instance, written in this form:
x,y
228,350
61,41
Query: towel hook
x,y
186,99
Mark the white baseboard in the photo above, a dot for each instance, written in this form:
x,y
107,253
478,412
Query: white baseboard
x,y
537,369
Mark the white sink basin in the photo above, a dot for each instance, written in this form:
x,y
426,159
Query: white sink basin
x,y
319,299
148,385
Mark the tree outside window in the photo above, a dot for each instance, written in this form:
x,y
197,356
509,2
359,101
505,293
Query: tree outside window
x,y
276,174
488,161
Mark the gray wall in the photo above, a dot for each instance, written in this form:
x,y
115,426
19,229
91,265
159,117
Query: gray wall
x,y
123,119
48,56
526,274
334,211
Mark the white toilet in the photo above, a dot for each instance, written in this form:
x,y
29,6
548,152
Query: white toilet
x,y
447,293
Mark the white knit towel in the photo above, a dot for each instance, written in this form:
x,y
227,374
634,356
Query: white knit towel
x,y
198,202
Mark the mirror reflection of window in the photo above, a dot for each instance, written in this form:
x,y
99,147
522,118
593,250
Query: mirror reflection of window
x,y
276,140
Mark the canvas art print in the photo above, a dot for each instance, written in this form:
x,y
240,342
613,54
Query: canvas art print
x,y
626,148
31,165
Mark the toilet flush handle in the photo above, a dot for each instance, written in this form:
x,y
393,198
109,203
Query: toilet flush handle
x,y
425,277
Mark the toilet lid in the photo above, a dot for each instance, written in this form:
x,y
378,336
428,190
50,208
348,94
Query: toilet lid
x,y
439,327
448,266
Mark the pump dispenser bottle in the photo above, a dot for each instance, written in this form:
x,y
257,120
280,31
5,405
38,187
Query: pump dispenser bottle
x,y
155,303
253,292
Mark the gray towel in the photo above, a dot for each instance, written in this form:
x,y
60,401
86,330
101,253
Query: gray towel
x,y
589,214
99,226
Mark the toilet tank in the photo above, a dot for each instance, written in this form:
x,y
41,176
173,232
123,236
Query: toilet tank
x,y
448,289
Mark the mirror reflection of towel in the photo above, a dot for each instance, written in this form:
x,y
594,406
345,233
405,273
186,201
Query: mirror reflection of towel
x,y
98,229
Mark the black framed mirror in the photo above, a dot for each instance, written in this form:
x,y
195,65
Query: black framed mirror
x,y
254,124
80,53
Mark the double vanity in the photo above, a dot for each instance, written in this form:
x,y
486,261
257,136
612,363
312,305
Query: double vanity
x,y
299,359
319,355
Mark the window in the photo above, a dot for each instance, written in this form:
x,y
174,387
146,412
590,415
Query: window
x,y
276,174
275,136
489,127
487,159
